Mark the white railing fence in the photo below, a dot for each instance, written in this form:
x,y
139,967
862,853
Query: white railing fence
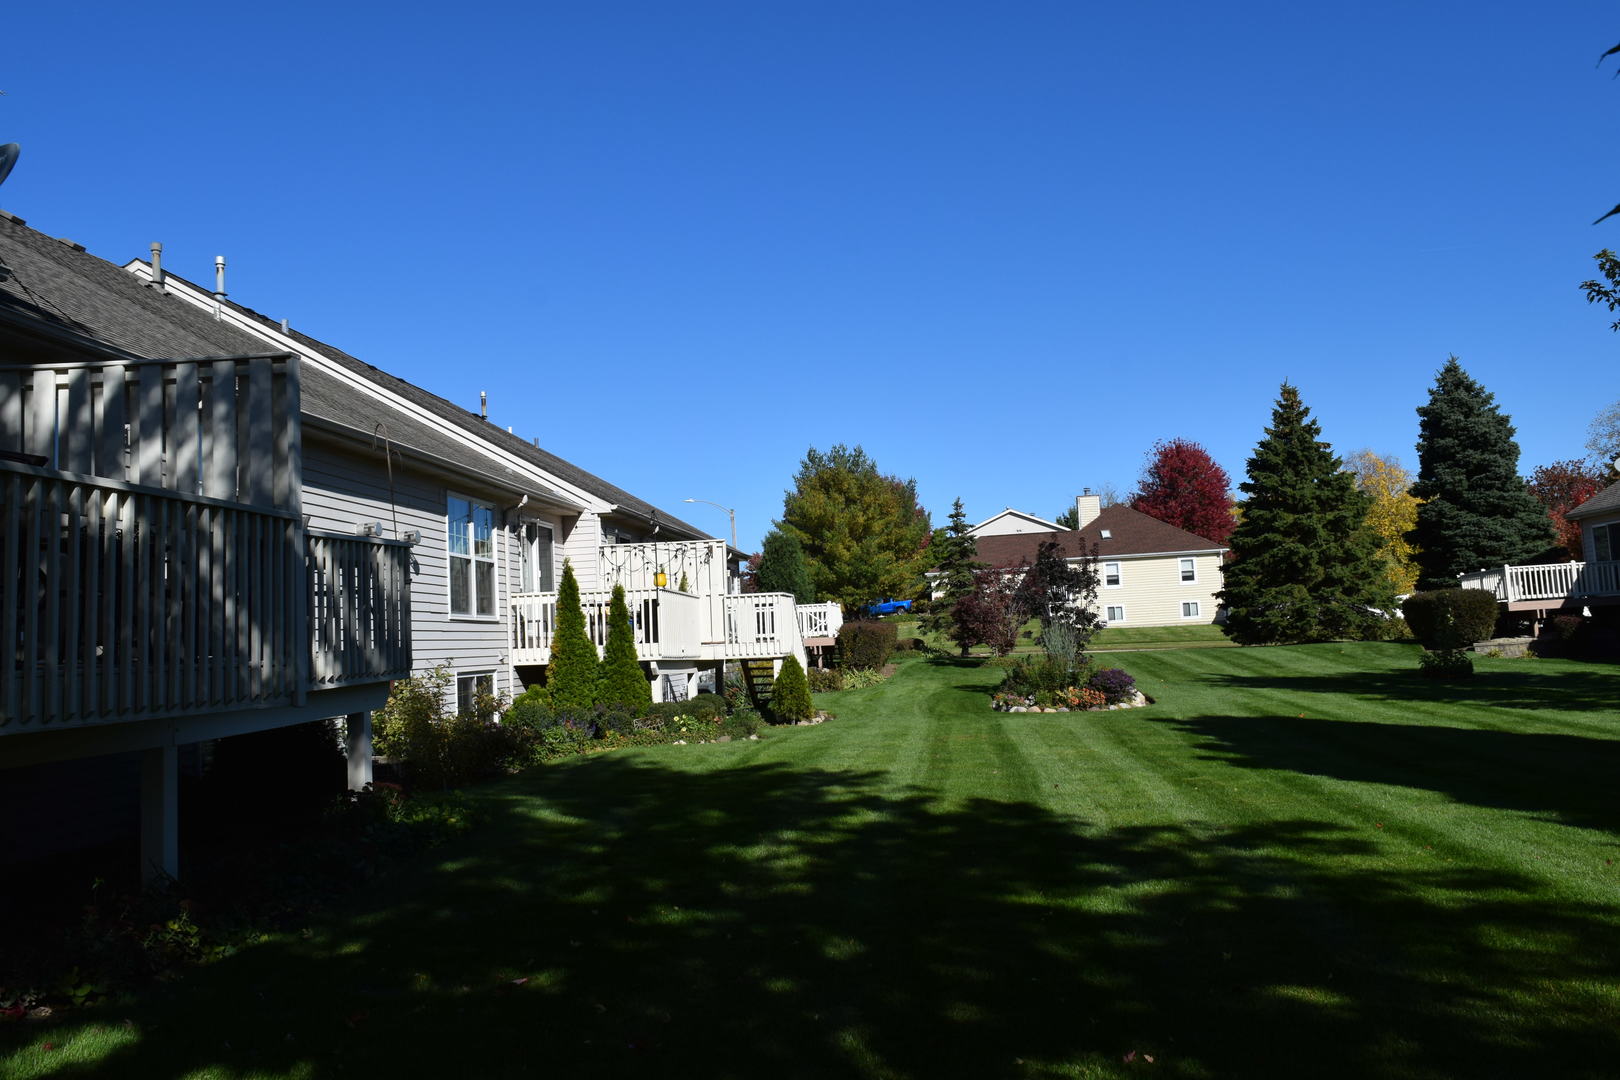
x,y
700,563
820,620
665,623
762,624
1566,582
223,428
359,609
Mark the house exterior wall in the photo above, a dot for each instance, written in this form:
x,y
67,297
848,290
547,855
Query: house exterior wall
x,y
343,488
1589,529
1151,590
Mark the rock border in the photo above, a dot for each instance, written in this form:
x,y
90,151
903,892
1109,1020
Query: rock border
x,y
1138,700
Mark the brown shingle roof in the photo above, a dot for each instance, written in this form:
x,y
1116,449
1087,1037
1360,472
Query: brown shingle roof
x,y
1130,533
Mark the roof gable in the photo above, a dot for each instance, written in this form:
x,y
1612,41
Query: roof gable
x,y
1606,501
1129,533
1018,522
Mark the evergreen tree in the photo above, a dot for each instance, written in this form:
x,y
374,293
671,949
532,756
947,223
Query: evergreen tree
x,y
790,694
1305,566
957,567
864,536
571,675
1476,511
620,681
782,567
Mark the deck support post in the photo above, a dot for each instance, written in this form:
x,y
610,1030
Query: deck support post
x,y
160,812
357,732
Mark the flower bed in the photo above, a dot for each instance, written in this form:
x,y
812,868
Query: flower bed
x,y
1107,688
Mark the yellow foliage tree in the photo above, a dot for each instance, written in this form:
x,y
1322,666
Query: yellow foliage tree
x,y
1391,513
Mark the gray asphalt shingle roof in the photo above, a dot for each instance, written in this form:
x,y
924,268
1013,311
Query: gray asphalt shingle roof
x,y
1606,501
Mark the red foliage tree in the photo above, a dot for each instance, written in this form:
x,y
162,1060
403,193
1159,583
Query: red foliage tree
x,y
1183,486
750,572
1561,487
992,613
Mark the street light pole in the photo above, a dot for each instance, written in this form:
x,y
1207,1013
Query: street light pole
x,y
732,514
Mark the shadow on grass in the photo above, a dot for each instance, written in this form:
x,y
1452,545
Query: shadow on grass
x,y
1570,778
1595,687
769,921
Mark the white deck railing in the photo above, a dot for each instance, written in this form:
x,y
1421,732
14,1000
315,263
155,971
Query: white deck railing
x,y
359,609
665,623
1566,582
761,625
820,620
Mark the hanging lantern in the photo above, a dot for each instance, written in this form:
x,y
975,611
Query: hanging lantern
x,y
661,579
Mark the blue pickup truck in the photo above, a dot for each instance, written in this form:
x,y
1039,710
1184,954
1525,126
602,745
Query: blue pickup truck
x,y
888,607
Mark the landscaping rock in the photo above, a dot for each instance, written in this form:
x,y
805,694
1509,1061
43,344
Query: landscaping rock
x,y
723,738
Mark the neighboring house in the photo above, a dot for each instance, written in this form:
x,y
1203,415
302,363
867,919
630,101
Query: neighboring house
x,y
1012,522
1149,573
1593,583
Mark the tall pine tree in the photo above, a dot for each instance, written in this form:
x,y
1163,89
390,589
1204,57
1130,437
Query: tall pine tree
x,y
782,567
957,568
571,675
1305,566
1476,511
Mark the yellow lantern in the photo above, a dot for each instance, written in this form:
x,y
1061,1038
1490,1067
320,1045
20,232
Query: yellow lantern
x,y
661,579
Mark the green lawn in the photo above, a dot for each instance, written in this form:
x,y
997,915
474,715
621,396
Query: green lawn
x,y
1300,862
1108,638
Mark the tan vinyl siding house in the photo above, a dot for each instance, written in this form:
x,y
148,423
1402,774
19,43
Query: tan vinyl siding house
x,y
1149,573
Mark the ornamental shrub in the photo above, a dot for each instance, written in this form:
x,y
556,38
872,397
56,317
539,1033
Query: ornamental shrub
x,y
1116,685
1029,675
620,678
1450,618
790,694
866,644
824,681
572,674
1445,664
742,723
860,678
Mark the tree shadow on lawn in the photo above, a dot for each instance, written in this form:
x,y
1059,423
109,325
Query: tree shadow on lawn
x,y
1569,778
771,921
1595,689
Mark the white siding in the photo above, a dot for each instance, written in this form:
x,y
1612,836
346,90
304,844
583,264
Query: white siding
x,y
1152,592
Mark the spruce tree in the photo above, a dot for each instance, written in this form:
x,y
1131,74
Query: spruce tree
x,y
571,675
1305,566
621,681
782,567
790,694
1476,511
957,568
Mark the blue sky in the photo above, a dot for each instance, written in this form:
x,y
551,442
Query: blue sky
x,y
1004,247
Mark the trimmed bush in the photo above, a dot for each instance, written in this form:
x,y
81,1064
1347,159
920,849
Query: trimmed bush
x,y
1450,618
1445,664
790,695
866,644
823,681
621,680
1116,685
571,675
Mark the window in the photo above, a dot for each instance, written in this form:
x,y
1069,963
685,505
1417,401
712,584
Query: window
x,y
1606,543
1189,609
469,688
1111,575
538,573
1189,569
1116,614
472,557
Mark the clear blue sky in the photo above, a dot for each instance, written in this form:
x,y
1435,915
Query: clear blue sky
x,y
1004,246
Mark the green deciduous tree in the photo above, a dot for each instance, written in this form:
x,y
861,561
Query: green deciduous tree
x,y
1305,567
1391,513
620,680
863,534
1476,511
782,567
571,676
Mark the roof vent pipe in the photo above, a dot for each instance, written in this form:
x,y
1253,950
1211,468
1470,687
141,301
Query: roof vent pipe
x,y
219,283
483,405
157,265
283,326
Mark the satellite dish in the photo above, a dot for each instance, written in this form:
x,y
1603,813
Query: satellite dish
x,y
8,158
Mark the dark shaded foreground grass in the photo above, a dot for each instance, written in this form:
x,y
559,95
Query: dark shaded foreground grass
x,y
921,888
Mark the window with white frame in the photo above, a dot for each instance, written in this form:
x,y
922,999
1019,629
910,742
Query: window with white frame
x,y
471,542
1111,575
538,560
1116,614
1189,569
1189,609
472,687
